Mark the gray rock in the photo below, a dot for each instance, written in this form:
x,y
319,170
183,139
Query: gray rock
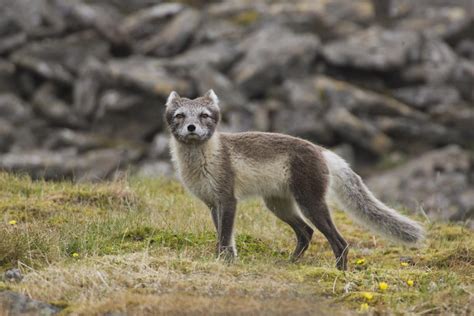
x,y
7,77
54,110
13,109
18,304
230,97
13,275
360,133
6,135
91,166
426,96
466,49
457,117
425,132
144,23
82,141
374,49
462,77
272,54
159,148
220,55
434,64
360,101
174,37
437,181
11,34
447,22
102,17
36,19
155,169
61,59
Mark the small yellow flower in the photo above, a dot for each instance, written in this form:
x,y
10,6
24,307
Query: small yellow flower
x,y
364,307
383,286
410,282
367,295
404,264
75,255
12,222
360,261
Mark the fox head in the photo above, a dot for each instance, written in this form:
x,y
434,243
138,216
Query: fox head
x,y
192,121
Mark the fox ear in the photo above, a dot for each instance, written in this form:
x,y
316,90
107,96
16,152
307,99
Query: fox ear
x,y
212,95
172,97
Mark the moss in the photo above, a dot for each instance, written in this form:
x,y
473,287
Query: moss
x,y
246,18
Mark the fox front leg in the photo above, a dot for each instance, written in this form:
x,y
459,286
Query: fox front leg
x,y
225,229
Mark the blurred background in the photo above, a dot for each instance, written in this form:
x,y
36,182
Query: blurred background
x,y
389,85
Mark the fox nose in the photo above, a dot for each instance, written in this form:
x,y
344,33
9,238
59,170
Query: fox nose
x,y
191,128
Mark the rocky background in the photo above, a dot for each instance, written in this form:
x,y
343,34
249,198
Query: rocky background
x,y
388,84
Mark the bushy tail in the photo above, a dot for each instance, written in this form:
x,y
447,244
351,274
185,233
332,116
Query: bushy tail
x,y
348,190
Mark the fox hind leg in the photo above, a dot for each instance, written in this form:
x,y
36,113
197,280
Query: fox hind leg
x,y
285,210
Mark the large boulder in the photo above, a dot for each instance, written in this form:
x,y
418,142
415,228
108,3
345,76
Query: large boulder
x,y
273,53
374,49
438,183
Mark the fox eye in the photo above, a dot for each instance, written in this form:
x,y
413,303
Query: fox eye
x,y
204,115
179,116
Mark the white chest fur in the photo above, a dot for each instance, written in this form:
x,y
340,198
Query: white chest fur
x,y
198,167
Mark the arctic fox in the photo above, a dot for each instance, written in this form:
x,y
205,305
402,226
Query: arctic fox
x,y
295,178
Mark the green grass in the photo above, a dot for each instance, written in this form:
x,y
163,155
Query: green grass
x,y
147,247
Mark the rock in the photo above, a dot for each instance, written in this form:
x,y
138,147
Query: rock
x,y
273,53
437,182
82,141
434,64
17,304
144,23
415,131
466,49
102,17
456,117
462,77
14,110
13,275
54,165
126,97
174,37
61,59
360,101
11,34
373,49
425,96
36,19
6,135
54,110
448,22
357,132
149,75
220,56
7,77
328,20
230,97
159,148
155,169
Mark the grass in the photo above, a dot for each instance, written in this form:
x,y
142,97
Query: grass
x,y
147,247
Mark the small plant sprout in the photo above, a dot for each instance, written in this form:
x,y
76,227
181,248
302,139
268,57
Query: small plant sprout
x,y
12,222
368,296
410,283
364,307
383,286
